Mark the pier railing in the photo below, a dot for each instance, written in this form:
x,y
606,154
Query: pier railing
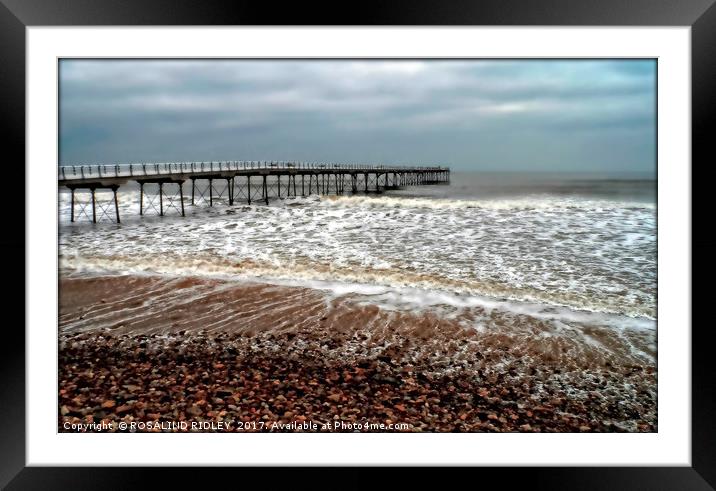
x,y
104,171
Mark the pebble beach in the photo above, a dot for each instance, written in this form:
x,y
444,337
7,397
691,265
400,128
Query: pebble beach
x,y
163,372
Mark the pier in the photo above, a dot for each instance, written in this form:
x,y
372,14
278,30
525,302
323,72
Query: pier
x,y
161,186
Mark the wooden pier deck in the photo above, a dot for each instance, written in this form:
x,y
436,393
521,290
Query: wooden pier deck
x,y
236,181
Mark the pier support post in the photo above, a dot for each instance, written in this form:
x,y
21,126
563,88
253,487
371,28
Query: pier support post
x,y
248,184
211,192
303,191
181,197
72,209
116,204
141,199
354,183
94,213
294,185
230,186
193,185
161,199
365,182
266,191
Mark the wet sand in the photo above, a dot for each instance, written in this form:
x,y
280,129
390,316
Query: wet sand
x,y
157,349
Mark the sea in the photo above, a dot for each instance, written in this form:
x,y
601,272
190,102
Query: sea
x,y
565,260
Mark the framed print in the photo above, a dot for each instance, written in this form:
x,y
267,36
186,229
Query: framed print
x,y
424,237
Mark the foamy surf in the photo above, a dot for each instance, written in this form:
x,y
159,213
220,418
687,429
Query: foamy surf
x,y
533,202
564,260
390,289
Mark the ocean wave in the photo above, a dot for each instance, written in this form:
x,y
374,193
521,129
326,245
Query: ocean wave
x,y
537,202
386,287
585,255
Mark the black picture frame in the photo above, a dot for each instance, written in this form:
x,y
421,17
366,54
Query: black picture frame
x,y
16,15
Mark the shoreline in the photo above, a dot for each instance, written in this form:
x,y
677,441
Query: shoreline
x,y
150,349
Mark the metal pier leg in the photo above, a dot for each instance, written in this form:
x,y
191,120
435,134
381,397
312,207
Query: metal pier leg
x,y
72,209
294,185
365,179
211,192
181,197
354,178
141,198
230,185
249,186
116,204
161,199
265,191
279,186
303,191
94,213
193,185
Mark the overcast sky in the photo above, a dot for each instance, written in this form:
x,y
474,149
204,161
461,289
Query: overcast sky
x,y
536,115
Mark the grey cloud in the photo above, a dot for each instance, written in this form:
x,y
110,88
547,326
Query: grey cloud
x,y
516,112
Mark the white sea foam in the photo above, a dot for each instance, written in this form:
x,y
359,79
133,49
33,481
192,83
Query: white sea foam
x,y
536,202
580,258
